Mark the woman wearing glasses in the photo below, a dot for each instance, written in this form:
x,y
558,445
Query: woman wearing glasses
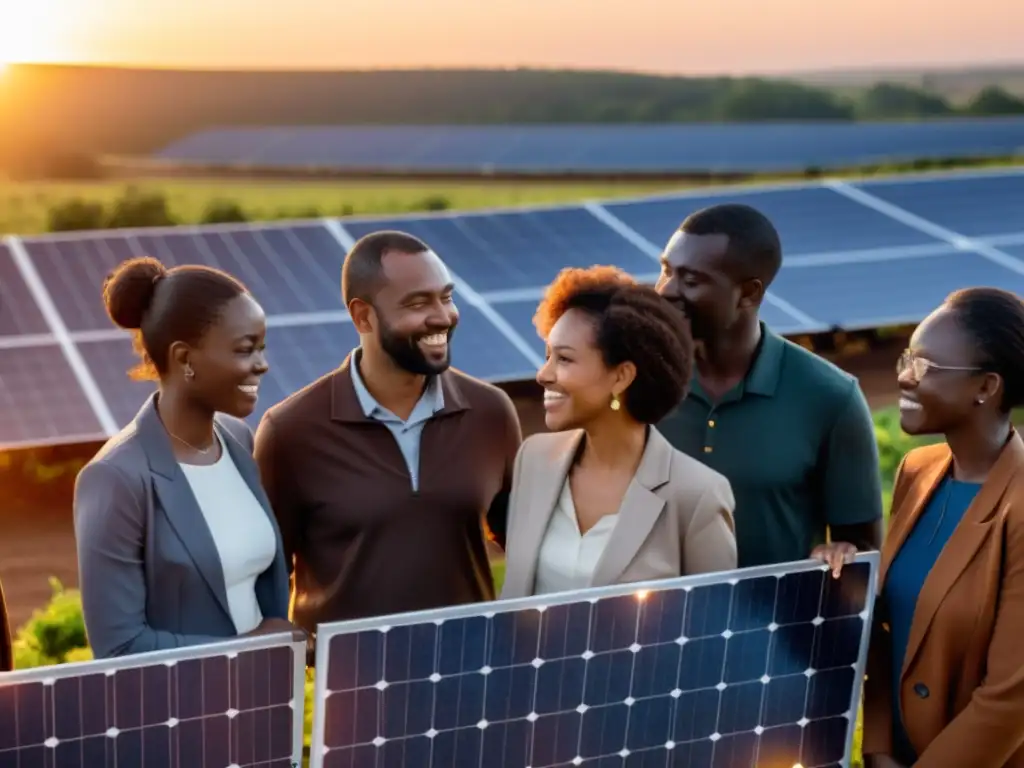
x,y
945,684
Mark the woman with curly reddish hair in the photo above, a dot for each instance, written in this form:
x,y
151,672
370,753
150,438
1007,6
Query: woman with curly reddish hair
x,y
605,499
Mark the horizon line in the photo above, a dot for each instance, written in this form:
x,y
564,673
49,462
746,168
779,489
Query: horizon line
x,y
862,70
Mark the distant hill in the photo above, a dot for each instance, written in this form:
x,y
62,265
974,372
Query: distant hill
x,y
956,85
116,111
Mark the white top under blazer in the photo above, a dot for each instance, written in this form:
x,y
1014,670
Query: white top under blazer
x,y
568,558
241,532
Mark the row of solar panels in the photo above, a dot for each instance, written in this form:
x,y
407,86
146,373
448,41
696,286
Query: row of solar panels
x,y
858,256
608,149
753,667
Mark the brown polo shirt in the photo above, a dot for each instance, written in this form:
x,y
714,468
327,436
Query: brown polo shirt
x,y
360,541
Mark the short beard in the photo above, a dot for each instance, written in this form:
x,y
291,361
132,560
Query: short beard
x,y
406,354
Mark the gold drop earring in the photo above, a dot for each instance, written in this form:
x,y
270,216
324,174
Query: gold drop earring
x,y
616,403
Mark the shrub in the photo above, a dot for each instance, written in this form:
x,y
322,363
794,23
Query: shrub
x,y
55,634
223,212
431,203
74,215
140,209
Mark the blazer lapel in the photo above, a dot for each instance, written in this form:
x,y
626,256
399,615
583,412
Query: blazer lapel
x,y
544,482
178,501
641,507
905,517
965,542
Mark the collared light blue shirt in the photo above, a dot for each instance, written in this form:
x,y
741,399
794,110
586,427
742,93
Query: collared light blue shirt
x,y
409,432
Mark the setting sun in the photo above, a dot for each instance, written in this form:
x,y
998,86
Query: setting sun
x,y
30,31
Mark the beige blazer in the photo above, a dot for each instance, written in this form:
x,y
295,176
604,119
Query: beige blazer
x,y
675,519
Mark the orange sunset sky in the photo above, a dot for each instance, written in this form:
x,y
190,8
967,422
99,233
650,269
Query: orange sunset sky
x,y
671,36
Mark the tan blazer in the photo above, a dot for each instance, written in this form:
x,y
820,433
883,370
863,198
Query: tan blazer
x,y
675,519
962,689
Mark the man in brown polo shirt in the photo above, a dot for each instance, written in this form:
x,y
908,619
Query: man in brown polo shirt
x,y
382,473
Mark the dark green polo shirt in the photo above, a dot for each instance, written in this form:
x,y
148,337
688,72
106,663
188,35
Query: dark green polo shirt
x,y
795,440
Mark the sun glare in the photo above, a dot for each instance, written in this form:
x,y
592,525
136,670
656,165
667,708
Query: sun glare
x,y
29,31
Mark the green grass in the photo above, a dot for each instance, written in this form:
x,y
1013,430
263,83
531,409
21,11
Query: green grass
x,y
24,205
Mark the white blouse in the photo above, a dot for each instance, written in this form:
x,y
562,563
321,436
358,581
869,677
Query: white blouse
x,y
567,558
241,531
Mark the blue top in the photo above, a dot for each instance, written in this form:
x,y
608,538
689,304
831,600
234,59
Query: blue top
x,y
906,577
407,433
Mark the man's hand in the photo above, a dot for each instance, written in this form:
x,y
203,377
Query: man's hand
x,y
836,555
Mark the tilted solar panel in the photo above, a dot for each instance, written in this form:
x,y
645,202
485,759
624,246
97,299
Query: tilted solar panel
x,y
236,705
754,667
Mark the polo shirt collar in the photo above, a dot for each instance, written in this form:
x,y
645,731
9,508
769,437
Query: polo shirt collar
x,y
763,377
429,403
347,405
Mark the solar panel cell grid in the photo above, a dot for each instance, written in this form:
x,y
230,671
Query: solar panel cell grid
x,y
518,250
288,269
40,399
814,220
234,710
19,314
759,669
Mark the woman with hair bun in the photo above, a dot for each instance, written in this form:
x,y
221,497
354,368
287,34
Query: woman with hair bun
x,y
605,499
177,545
945,682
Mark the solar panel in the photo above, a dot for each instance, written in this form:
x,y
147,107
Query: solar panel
x,y
41,401
753,667
517,250
19,314
853,261
289,269
239,705
618,149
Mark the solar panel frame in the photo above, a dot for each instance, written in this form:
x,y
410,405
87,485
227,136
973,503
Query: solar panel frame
x,y
328,632
229,649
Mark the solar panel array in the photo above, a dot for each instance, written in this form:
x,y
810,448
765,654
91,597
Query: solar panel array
x,y
618,149
235,705
754,667
858,255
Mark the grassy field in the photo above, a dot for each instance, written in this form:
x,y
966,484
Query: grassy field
x,y
24,206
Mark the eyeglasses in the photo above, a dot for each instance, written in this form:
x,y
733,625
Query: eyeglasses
x,y
919,366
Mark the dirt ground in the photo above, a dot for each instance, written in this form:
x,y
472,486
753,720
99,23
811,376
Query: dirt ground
x,y
37,539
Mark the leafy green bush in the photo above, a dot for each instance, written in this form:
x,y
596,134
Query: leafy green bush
x,y
55,634
220,211
74,216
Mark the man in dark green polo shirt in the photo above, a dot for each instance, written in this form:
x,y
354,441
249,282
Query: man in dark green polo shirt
x,y
791,431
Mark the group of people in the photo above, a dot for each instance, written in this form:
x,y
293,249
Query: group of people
x,y
684,437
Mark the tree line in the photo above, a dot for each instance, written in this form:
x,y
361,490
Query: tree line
x,y
95,111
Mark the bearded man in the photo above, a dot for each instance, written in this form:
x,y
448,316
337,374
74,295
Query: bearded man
x,y
385,474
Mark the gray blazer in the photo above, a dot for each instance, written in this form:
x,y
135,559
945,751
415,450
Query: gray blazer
x,y
149,570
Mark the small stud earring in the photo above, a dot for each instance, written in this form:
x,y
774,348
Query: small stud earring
x,y
979,400
189,373
615,403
